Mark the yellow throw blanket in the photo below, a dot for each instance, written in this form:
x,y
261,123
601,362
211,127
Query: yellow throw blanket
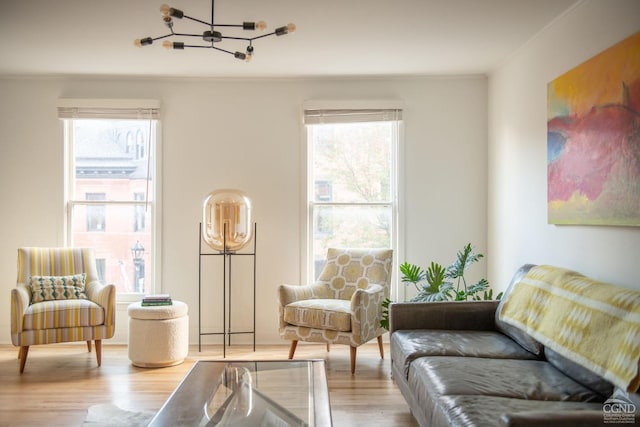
x,y
595,324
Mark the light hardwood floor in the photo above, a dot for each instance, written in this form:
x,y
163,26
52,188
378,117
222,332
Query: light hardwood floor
x,y
62,380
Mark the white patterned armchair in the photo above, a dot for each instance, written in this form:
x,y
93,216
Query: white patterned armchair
x,y
344,306
58,298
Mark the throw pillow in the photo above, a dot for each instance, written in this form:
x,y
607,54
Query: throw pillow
x,y
52,288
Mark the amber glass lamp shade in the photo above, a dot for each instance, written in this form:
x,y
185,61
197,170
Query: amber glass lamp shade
x,y
226,220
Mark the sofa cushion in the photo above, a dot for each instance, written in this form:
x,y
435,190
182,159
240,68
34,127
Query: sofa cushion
x,y
408,345
518,335
551,418
477,410
332,314
63,314
578,373
517,379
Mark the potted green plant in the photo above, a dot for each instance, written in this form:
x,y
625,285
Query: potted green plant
x,y
438,283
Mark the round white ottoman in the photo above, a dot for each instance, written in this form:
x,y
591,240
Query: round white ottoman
x,y
158,335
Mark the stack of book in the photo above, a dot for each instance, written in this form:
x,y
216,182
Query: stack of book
x,y
158,299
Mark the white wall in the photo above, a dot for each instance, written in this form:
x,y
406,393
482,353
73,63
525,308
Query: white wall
x,y
245,134
518,232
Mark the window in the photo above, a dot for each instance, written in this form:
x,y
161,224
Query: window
x,y
111,190
352,184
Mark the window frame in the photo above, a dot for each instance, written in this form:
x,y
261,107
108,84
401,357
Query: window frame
x,y
308,189
71,109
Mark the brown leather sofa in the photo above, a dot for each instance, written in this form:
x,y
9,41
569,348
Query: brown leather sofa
x,y
457,364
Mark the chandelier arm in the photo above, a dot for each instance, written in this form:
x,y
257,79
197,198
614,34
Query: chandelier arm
x,y
261,36
236,38
199,46
161,37
230,25
187,35
208,24
223,50
210,47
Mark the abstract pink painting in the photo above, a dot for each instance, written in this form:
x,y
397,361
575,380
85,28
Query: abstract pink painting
x,y
593,140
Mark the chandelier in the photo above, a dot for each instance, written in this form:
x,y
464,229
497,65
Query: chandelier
x,y
211,36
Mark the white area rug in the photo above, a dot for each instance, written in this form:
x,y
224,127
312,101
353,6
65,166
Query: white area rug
x,y
109,415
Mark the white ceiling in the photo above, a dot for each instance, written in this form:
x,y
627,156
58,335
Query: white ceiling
x,y
333,37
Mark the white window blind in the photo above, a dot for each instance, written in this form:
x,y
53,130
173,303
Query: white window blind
x,y
118,109
314,117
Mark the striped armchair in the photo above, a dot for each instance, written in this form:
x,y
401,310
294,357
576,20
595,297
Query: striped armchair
x,y
58,298
344,306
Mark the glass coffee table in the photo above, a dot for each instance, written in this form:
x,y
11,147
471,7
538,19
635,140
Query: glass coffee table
x,y
249,393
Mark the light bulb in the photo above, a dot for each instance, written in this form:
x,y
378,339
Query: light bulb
x,y
167,44
142,42
261,25
165,9
281,31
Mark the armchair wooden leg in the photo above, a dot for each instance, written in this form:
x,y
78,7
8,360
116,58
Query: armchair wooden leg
x,y
353,359
292,349
89,345
328,347
381,347
24,350
99,352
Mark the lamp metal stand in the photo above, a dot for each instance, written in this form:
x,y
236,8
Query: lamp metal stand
x,y
227,256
